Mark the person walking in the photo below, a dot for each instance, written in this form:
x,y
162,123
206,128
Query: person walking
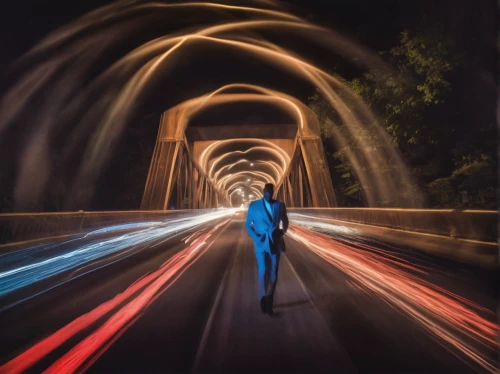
x,y
263,226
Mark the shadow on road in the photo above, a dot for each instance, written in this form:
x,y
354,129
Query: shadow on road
x,y
292,305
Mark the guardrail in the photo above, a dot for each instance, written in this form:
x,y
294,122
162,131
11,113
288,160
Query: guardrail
x,y
479,225
26,226
466,224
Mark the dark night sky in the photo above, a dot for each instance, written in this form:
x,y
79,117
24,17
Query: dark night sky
x,y
372,23
375,23
23,23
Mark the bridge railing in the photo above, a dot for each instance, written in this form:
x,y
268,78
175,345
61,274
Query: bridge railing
x,y
481,225
477,225
17,227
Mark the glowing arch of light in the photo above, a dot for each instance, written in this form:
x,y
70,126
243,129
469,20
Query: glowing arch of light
x,y
270,164
263,145
113,115
274,151
222,184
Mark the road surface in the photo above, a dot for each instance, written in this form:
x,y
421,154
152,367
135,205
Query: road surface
x,y
189,304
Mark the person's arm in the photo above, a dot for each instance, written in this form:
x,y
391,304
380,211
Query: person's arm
x,y
249,225
284,218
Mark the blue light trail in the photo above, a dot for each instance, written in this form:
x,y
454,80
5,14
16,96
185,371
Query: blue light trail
x,y
27,266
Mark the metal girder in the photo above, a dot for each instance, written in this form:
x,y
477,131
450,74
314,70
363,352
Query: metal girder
x,y
307,181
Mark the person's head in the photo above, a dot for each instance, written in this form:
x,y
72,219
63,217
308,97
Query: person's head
x,y
268,191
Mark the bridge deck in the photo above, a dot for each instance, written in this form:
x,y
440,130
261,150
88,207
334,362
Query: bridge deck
x,y
203,315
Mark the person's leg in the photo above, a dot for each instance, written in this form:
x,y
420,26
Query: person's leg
x,y
273,279
267,275
261,272
273,271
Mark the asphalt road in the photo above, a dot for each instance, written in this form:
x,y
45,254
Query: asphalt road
x,y
200,313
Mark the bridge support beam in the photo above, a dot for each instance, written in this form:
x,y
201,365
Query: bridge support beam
x,y
318,174
307,182
163,173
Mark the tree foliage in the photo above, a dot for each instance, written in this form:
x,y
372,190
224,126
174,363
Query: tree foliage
x,y
410,101
403,96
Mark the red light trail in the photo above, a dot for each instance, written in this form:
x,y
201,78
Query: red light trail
x,y
450,317
91,347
